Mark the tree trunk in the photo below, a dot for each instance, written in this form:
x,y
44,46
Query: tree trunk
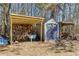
x,y
5,21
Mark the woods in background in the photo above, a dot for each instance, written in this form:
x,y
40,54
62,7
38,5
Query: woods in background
x,y
58,11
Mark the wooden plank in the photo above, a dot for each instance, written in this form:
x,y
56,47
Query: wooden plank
x,y
41,31
11,31
25,21
22,21
24,16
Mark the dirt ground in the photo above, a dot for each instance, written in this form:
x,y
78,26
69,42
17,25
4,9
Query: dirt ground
x,y
36,49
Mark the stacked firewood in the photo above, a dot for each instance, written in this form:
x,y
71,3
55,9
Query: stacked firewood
x,y
65,43
19,32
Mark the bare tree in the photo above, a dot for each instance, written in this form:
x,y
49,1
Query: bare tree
x,y
5,20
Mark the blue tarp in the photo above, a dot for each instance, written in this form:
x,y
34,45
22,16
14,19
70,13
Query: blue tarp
x,y
3,41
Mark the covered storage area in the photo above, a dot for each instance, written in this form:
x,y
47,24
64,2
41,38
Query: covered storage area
x,y
67,30
21,25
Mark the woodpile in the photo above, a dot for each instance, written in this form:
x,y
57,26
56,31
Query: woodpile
x,y
65,45
19,32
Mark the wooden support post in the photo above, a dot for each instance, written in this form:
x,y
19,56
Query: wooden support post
x,y
10,30
59,30
74,29
31,39
41,31
31,36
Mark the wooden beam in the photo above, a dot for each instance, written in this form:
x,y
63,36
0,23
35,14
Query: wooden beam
x,y
59,31
41,31
74,29
11,31
24,16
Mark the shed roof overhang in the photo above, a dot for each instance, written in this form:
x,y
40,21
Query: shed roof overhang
x,y
22,19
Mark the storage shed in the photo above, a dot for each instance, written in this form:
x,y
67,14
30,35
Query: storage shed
x,y
24,21
51,30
